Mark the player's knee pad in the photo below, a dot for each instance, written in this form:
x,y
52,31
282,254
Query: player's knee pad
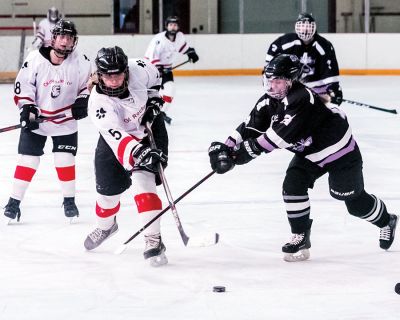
x,y
360,205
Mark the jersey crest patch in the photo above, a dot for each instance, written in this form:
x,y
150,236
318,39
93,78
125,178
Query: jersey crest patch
x,y
55,91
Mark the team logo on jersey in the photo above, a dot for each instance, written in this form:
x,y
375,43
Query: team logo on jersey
x,y
55,91
302,144
141,63
100,113
287,119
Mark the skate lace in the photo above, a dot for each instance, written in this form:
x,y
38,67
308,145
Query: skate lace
x,y
297,238
385,233
152,241
97,235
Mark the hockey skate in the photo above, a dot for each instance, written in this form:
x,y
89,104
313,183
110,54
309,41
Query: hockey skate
x,y
98,236
70,208
167,119
154,250
387,233
299,243
12,210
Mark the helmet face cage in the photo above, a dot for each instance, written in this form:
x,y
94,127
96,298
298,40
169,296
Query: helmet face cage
x,y
112,61
274,91
305,29
64,27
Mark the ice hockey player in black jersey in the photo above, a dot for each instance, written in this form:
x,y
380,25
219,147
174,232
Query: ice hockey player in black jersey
x,y
320,70
291,116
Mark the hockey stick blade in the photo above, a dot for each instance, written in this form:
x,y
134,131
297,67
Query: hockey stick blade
x,y
203,241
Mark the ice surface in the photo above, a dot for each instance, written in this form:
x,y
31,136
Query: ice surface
x,y
45,273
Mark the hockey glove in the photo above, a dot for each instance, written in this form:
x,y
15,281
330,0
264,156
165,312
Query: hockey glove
x,y
247,151
153,107
148,159
335,92
80,107
220,157
192,55
28,117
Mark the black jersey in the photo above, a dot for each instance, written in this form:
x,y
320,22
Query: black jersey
x,y
300,123
318,59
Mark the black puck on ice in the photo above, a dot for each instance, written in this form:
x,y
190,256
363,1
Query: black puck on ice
x,y
219,289
397,288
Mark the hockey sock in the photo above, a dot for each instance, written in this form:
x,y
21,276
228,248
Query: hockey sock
x,y
24,172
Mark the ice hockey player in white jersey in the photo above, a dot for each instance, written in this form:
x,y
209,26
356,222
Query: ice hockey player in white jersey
x,y
51,82
43,36
124,99
290,116
320,70
162,51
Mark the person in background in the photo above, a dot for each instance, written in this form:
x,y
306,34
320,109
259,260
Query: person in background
x,y
43,36
52,81
162,51
290,116
319,67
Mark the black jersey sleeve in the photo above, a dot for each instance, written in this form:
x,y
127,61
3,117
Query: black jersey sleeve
x,y
254,125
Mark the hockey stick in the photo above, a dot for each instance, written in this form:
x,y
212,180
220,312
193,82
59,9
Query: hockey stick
x,y
40,120
193,241
125,244
369,106
181,64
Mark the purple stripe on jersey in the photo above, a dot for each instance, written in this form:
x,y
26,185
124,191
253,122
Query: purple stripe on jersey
x,y
339,154
230,142
181,48
263,141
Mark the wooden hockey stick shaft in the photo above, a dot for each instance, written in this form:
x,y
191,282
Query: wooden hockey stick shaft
x,y
40,120
394,111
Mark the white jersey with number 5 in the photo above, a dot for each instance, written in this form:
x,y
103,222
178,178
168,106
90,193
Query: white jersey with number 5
x,y
118,119
52,88
161,50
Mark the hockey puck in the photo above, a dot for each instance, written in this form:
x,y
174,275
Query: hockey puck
x,y
397,288
219,289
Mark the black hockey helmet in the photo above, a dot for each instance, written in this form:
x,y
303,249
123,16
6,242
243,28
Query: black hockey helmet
x,y
284,67
64,27
112,60
171,19
305,26
53,15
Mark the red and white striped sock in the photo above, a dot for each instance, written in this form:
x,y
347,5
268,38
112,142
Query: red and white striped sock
x,y
24,172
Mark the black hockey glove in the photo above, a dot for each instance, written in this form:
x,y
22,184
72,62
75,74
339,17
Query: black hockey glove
x,y
153,107
80,107
247,151
335,92
28,117
192,55
220,157
148,159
